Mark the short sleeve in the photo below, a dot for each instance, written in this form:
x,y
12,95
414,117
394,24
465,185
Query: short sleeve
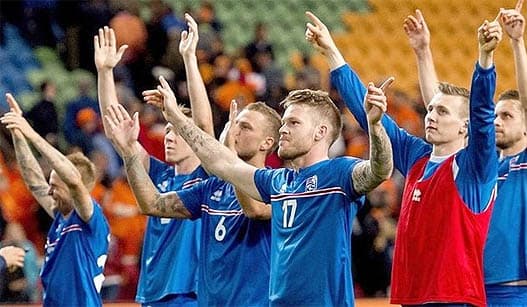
x,y
193,197
263,179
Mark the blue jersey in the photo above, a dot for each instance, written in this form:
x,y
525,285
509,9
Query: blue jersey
x,y
76,252
235,256
169,260
475,167
312,214
505,257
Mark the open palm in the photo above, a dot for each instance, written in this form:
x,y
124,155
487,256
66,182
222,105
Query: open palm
x,y
106,53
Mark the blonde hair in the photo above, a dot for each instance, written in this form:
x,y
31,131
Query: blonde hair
x,y
323,104
273,120
452,90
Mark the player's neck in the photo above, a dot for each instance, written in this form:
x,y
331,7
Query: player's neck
x,y
187,165
447,149
310,158
258,160
515,149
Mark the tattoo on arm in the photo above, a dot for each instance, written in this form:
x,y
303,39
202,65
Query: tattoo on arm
x,y
367,175
149,199
64,168
170,205
32,173
214,156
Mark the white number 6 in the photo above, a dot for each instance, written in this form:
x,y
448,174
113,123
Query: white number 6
x,y
220,231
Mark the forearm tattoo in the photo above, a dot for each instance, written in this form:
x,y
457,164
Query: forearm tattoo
x,y
64,168
32,172
369,174
168,205
30,168
148,197
206,147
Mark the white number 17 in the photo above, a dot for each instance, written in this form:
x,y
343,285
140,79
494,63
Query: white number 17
x,y
289,211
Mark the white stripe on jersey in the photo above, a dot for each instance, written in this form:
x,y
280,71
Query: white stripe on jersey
x,y
211,211
326,191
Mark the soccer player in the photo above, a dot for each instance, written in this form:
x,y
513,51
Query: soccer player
x,y
505,269
77,242
234,260
450,182
163,280
313,204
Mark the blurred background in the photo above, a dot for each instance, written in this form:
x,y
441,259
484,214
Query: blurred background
x,y
249,50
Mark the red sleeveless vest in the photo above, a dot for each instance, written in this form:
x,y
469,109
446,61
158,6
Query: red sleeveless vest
x,y
438,253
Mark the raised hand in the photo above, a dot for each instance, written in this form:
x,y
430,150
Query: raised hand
x,y
417,31
124,130
168,105
13,105
227,135
513,21
106,54
490,34
14,119
189,39
375,102
153,97
318,35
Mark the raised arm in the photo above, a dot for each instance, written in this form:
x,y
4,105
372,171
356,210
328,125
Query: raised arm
x,y
124,131
481,149
106,58
489,35
215,157
199,101
514,26
406,148
30,168
67,172
367,175
419,38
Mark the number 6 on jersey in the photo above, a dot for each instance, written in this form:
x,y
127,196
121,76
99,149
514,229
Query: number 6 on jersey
x,y
289,210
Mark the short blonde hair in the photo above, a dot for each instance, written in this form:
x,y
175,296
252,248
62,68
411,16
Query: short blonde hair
x,y
273,120
85,167
452,90
323,104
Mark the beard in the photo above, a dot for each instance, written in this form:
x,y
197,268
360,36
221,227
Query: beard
x,y
291,153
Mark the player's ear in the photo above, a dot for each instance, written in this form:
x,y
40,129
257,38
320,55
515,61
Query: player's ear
x,y
464,129
267,144
320,132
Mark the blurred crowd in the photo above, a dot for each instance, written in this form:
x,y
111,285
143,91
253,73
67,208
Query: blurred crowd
x,y
249,74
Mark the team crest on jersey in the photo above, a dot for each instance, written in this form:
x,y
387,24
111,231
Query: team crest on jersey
x,y
311,183
416,196
514,160
162,186
283,188
216,196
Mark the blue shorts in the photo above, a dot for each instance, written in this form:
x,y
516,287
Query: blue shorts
x,y
506,296
183,300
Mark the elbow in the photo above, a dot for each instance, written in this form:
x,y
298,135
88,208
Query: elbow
x,y
384,175
258,214
144,210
